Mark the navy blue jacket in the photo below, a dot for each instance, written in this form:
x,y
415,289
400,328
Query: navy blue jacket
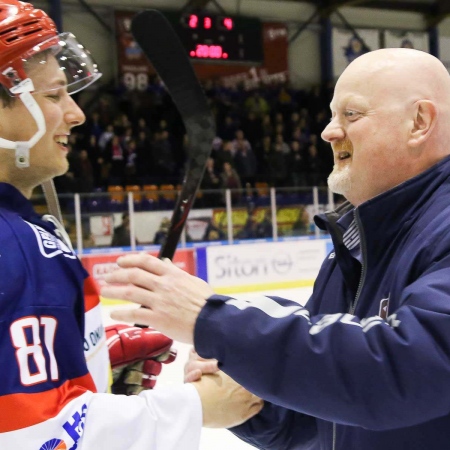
x,y
366,364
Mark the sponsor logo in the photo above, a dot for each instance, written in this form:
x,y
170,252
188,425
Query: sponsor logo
x,y
233,266
49,245
94,337
54,444
332,255
75,427
276,33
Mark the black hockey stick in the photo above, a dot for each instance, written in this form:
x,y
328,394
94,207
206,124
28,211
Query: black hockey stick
x,y
163,48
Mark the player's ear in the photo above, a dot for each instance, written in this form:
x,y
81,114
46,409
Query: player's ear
x,y
424,120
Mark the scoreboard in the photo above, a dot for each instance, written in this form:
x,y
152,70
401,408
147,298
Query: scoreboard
x,y
219,38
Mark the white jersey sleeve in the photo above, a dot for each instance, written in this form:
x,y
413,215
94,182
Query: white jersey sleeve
x,y
166,418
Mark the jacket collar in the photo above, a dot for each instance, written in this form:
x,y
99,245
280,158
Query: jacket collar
x,y
384,215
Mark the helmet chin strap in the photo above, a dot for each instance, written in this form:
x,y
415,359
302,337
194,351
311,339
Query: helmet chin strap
x,y
22,148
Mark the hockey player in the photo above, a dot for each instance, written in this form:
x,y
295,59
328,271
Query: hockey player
x,y
50,397
365,365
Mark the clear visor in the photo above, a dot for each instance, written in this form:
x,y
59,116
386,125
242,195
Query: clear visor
x,y
74,67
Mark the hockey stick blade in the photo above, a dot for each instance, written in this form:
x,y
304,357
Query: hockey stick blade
x,y
163,48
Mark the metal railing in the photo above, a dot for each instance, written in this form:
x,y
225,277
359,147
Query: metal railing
x,y
95,220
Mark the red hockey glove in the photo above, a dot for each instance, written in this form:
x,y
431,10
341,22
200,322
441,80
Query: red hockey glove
x,y
136,356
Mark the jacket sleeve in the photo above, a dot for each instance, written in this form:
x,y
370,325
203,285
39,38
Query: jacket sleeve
x,y
276,427
370,373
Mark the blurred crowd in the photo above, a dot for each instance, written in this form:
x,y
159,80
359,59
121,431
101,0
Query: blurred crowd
x,y
270,134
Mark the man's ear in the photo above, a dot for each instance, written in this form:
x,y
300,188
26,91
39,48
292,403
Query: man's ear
x,y
424,120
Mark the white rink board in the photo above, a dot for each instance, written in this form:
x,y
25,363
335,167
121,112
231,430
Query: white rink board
x,y
274,262
212,439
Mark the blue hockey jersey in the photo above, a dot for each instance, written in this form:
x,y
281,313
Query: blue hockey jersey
x,y
54,358
366,364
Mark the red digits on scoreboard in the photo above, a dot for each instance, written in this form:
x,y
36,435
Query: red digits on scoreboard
x,y
193,21
228,23
207,23
208,52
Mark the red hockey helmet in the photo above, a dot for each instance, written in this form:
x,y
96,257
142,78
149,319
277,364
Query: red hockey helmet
x,y
24,32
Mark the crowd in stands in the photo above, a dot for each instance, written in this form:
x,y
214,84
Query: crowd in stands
x,y
269,134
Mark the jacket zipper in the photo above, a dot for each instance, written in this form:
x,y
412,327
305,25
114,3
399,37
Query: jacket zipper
x,y
362,245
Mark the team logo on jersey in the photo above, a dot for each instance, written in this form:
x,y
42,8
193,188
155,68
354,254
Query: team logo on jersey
x,y
54,444
49,245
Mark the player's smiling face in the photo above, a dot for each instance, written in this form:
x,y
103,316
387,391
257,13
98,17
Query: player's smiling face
x,y
48,158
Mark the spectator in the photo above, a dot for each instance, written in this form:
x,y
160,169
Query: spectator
x,y
106,136
279,140
245,163
264,229
230,180
115,158
161,235
297,165
162,155
315,175
240,142
264,155
121,233
144,155
227,130
252,128
257,104
225,154
278,166
211,181
86,173
130,171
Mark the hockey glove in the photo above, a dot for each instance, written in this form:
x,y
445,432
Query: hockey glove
x,y
136,356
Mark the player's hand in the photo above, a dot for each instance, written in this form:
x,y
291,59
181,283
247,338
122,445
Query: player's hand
x,y
225,403
172,298
136,356
196,366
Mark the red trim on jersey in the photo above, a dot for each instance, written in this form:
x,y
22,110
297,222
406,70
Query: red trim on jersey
x,y
35,408
91,294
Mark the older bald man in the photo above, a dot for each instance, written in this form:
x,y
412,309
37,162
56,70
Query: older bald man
x,y
366,364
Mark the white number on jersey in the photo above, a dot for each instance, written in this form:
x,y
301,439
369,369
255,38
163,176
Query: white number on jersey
x,y
29,348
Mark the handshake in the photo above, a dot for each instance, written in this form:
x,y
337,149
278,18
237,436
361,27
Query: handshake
x,y
137,355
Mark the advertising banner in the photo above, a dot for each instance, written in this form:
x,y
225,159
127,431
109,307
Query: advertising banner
x,y
100,265
247,266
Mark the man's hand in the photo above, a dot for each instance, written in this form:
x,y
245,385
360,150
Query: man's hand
x,y
196,366
225,403
136,355
172,298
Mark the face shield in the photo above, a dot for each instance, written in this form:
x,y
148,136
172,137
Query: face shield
x,y
23,78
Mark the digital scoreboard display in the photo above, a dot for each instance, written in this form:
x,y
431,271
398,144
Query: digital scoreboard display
x,y
219,38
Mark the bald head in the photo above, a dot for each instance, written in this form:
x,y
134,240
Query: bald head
x,y
404,73
391,110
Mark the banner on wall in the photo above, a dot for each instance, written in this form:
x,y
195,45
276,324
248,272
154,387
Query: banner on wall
x,y
277,262
134,68
347,46
100,265
406,39
273,70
